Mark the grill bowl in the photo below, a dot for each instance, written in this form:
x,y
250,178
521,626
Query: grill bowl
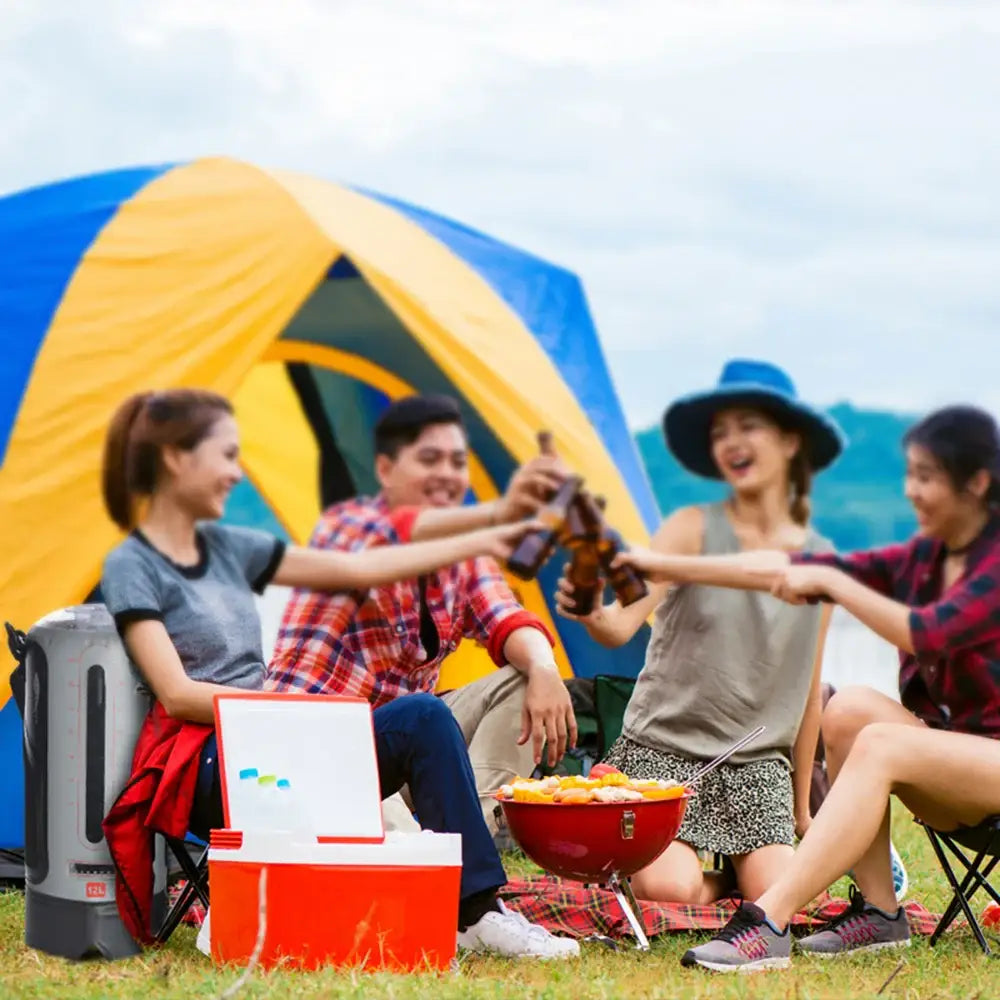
x,y
588,841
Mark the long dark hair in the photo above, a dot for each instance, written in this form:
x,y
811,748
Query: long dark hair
x,y
141,427
800,475
963,440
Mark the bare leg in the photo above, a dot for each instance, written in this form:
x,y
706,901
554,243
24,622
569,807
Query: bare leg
x,y
943,778
760,869
677,876
846,715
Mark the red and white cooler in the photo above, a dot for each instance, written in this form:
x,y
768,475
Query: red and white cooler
x,y
304,854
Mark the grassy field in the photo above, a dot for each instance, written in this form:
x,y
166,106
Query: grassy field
x,y
955,968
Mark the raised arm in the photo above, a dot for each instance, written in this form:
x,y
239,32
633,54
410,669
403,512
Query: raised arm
x,y
888,618
759,569
612,625
326,569
154,654
527,491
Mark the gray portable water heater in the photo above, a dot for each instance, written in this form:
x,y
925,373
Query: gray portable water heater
x,y
84,707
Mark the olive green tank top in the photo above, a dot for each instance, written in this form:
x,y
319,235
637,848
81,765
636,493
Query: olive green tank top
x,y
721,662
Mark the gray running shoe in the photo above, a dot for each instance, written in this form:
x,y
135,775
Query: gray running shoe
x,y
748,943
861,927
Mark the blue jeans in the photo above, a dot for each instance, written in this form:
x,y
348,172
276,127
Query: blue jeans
x,y
417,743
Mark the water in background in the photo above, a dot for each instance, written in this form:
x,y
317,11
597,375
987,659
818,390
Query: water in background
x,y
854,654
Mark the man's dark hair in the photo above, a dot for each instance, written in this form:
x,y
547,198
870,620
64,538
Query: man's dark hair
x,y
963,440
405,420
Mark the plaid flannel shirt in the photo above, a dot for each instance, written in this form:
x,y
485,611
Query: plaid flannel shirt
x,y
952,680
368,644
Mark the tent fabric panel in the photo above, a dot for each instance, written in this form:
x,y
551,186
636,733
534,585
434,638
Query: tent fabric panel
x,y
550,302
43,234
278,448
349,316
12,786
469,332
186,285
345,404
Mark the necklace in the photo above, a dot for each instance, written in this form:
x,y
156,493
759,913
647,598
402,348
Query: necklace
x,y
960,550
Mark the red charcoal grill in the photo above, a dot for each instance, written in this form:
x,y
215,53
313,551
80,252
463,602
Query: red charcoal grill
x,y
605,842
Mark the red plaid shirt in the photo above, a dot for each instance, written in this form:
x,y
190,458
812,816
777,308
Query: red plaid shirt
x,y
952,681
368,644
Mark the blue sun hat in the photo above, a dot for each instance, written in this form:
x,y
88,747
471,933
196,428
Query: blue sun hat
x,y
761,386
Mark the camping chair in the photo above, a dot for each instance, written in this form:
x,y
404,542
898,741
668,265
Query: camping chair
x,y
611,695
192,859
984,841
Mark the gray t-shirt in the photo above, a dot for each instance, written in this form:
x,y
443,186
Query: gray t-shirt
x,y
208,609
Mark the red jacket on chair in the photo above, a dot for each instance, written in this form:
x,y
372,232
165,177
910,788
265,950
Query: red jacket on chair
x,y
157,799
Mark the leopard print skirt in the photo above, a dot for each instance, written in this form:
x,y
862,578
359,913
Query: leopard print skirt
x,y
738,807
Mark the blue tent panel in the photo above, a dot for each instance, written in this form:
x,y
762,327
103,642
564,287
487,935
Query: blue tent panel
x,y
12,813
44,232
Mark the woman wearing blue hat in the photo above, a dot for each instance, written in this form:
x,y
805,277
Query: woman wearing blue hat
x,y
721,662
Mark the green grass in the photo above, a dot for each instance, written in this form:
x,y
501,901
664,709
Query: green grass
x,y
955,968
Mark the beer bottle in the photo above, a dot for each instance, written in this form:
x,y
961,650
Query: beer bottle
x,y
584,576
626,582
535,547
581,536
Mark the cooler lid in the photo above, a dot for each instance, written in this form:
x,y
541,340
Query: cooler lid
x,y
299,763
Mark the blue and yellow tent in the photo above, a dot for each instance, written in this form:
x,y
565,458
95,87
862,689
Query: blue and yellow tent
x,y
309,304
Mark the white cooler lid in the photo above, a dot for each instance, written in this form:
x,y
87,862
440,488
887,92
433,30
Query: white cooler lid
x,y
301,764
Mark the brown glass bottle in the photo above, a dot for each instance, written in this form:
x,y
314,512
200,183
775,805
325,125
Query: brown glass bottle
x,y
584,577
626,582
535,547
581,535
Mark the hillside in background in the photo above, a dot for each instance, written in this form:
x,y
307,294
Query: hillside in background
x,y
857,503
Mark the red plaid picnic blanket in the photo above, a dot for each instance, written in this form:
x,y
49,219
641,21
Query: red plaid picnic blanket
x,y
579,911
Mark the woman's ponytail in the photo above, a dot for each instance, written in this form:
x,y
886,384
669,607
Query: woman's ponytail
x,y
116,476
800,483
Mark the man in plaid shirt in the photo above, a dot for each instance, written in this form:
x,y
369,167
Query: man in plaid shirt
x,y
391,641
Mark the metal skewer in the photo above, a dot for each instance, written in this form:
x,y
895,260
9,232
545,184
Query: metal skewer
x,y
725,755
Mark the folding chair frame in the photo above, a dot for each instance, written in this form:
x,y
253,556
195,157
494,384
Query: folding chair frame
x,y
985,841
196,873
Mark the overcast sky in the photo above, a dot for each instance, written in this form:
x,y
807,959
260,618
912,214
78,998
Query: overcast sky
x,y
814,183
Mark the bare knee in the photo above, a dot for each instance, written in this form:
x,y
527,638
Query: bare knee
x,y
848,712
676,876
876,747
668,886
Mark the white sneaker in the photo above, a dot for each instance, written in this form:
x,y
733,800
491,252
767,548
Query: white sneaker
x,y
900,882
510,934
203,942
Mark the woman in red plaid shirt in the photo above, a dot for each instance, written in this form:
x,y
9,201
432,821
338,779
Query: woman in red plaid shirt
x,y
936,598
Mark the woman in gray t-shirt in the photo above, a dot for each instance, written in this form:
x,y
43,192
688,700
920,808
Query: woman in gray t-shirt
x,y
180,587
720,662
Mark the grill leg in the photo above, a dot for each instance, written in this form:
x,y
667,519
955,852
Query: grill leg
x,y
633,913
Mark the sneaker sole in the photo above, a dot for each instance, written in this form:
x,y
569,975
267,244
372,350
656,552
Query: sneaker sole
x,y
748,968
493,953
880,946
